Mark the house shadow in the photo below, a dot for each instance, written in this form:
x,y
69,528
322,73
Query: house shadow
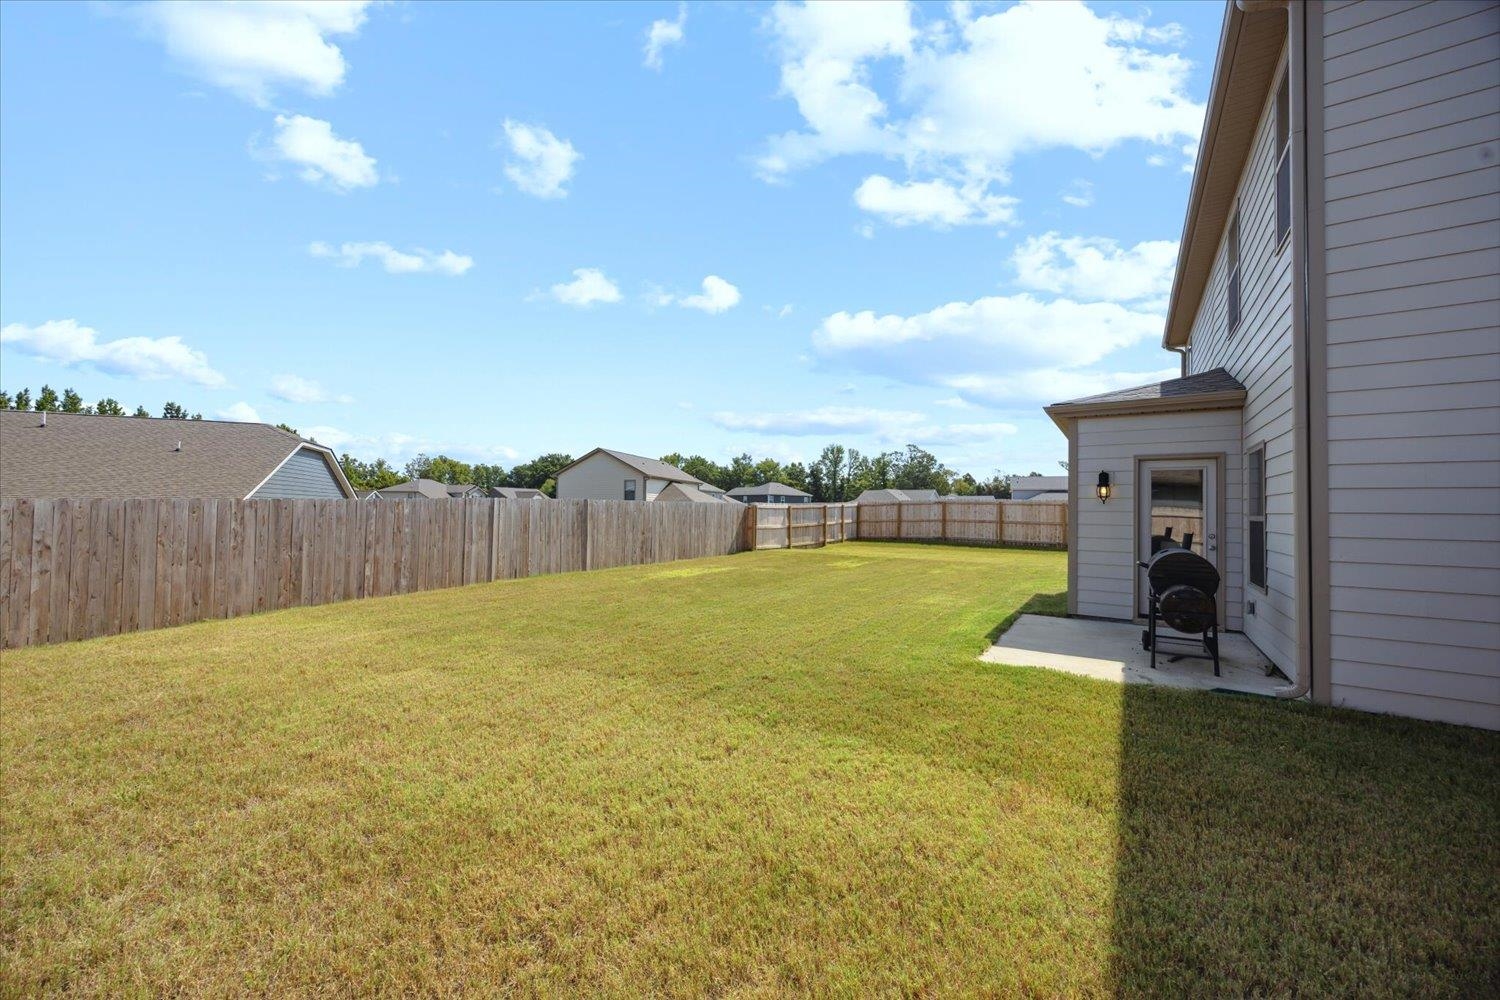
x,y
1053,605
1272,849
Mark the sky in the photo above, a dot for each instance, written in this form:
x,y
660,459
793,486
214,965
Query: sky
x,y
496,231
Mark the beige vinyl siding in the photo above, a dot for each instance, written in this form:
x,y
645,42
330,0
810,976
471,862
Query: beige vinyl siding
x,y
1106,559
598,477
1412,229
654,488
1259,354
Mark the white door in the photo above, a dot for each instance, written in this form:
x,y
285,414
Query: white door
x,y
1178,508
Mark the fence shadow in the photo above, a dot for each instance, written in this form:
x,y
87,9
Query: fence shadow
x,y
1053,605
1272,849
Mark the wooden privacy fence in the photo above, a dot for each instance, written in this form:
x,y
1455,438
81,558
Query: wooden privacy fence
x,y
800,525
73,569
968,522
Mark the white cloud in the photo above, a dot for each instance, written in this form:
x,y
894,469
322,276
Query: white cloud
x,y
311,144
1050,385
66,343
661,34
542,163
963,98
888,426
936,203
1079,194
241,411
1096,268
400,448
254,49
416,261
717,296
296,389
990,349
589,286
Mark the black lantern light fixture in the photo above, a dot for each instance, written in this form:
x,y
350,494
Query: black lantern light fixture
x,y
1102,490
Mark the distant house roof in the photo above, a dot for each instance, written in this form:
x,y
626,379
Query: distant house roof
x,y
1211,390
897,496
771,489
84,455
429,489
516,493
688,493
1049,497
651,468
1038,484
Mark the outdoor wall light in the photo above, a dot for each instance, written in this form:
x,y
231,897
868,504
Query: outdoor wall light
x,y
1102,490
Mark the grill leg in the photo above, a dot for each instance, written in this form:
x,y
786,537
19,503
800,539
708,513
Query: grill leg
x,y
1152,619
1211,640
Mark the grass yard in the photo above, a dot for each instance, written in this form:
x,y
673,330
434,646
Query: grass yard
x,y
780,772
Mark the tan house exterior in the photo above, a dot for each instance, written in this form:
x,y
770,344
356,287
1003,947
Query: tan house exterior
x,y
1337,310
606,474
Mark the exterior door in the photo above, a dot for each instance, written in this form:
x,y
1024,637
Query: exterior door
x,y
1178,508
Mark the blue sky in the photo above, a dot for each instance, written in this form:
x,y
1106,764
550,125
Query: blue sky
x,y
498,230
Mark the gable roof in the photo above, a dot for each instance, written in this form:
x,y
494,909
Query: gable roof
x,y
516,493
1244,71
687,493
897,496
85,455
1211,390
431,489
1039,483
771,489
651,468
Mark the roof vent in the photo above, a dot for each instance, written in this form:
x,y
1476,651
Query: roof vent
x,y
179,446
44,419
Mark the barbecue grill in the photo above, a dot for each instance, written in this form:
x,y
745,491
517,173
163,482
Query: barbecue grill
x,y
1183,590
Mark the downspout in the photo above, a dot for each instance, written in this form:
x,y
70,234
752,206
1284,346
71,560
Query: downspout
x,y
1303,371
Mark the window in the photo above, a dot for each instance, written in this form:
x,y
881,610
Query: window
x,y
1232,254
630,489
1283,163
1255,509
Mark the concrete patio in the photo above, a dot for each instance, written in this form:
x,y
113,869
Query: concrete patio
x,y
1112,651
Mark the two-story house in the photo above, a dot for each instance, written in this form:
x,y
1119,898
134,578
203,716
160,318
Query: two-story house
x,y
1333,444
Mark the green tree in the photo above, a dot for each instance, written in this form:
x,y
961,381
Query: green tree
x,y
541,472
172,411
109,407
46,399
920,470
767,470
5,402
795,476
288,428
741,472
71,402
140,411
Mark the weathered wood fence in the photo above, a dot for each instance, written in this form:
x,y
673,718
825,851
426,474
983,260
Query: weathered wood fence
x,y
967,522
801,525
74,569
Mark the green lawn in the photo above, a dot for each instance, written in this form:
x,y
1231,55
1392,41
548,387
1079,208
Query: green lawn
x,y
781,772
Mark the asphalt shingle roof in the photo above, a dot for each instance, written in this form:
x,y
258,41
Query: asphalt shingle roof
x,y
1204,383
650,467
771,489
82,456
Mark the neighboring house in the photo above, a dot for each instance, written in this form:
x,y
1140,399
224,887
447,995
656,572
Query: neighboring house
x,y
684,492
516,493
912,496
1336,429
429,489
605,474
83,456
772,492
1032,487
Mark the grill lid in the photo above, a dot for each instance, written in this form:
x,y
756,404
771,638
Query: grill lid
x,y
1174,567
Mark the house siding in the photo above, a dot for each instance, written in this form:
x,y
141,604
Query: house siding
x,y
1411,173
1104,581
1259,354
304,476
598,477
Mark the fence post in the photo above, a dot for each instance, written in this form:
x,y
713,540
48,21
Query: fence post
x,y
999,522
752,527
859,521
898,521
943,516
788,525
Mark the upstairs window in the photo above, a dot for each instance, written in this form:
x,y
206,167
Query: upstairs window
x,y
630,489
1232,253
1255,509
1283,163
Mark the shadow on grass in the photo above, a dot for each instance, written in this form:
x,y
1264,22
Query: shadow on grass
x,y
1051,605
1273,849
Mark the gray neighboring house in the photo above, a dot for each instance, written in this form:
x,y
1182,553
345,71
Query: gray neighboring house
x,y
772,492
428,489
516,493
1041,488
606,474
85,456
897,496
1336,310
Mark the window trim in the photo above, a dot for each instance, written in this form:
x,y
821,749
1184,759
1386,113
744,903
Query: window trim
x,y
629,492
1265,539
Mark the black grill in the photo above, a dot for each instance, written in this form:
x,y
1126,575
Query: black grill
x,y
1183,587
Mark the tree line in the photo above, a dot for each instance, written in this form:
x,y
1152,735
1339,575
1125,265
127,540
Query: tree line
x,y
838,474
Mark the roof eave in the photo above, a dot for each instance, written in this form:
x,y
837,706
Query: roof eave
x,y
1063,414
